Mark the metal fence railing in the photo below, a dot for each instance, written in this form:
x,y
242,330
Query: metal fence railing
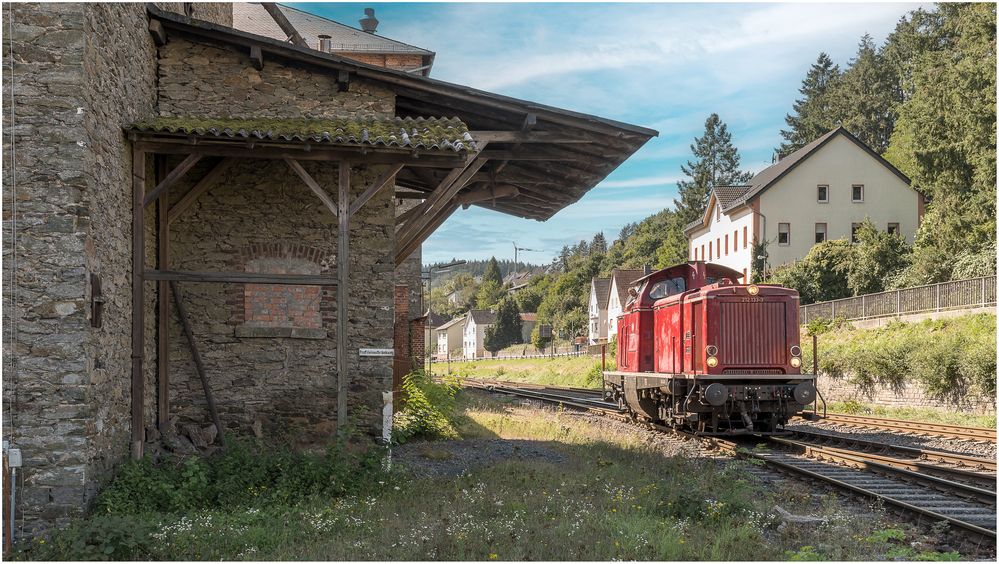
x,y
512,357
956,294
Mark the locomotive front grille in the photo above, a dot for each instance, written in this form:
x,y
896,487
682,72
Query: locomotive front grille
x,y
752,371
752,334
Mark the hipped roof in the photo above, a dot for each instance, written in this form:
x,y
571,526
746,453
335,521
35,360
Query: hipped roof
x,y
567,155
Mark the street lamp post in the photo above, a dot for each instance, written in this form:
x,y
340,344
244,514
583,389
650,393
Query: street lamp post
x,y
430,300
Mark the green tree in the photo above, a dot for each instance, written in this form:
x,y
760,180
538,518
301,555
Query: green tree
x,y
945,138
821,275
492,272
876,259
506,330
716,163
813,112
599,244
529,298
488,295
866,97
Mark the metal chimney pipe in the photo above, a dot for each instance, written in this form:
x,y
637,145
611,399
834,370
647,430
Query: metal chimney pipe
x,y
325,43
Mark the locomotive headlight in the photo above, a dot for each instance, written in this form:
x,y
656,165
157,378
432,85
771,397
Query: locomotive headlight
x,y
711,350
795,361
712,361
753,289
795,350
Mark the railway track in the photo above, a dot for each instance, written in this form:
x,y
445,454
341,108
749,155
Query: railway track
x,y
930,485
912,427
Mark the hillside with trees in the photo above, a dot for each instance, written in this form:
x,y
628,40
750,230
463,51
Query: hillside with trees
x,y
925,100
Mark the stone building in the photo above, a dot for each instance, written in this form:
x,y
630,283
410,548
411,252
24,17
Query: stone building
x,y
156,158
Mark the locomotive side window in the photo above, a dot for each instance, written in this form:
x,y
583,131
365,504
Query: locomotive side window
x,y
668,287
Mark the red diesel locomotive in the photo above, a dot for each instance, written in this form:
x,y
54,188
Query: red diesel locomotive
x,y
697,350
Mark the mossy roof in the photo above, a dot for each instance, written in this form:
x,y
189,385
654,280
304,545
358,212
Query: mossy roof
x,y
436,134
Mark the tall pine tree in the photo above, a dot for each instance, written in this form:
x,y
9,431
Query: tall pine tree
x,y
813,112
492,272
867,97
716,163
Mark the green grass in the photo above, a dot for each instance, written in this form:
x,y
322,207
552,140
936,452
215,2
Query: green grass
x,y
613,496
921,414
577,371
951,359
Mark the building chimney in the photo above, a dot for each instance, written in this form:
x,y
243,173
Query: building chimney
x,y
325,43
368,23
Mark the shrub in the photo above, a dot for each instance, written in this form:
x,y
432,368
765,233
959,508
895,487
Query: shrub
x,y
107,537
427,410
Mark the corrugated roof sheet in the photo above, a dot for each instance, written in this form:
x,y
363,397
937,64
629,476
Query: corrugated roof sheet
x,y
253,18
409,133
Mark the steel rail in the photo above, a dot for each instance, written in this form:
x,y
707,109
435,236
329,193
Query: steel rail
x,y
869,467
914,427
914,453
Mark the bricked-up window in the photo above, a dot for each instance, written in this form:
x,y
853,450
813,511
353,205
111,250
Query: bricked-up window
x,y
745,236
735,240
306,310
279,305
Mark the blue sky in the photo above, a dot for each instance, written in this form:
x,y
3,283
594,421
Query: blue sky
x,y
663,66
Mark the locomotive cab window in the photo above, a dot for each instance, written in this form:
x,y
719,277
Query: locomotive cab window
x,y
665,288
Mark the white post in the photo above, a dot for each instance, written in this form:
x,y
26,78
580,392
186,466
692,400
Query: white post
x,y
938,297
863,306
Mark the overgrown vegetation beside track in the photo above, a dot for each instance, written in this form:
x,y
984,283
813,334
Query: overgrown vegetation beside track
x,y
949,358
576,371
604,491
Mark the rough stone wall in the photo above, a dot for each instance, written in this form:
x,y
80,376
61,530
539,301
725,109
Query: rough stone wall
x,y
910,396
194,75
215,12
266,380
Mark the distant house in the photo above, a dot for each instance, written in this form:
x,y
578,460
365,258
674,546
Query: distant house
x,y
449,338
621,280
823,191
431,321
527,323
475,332
599,295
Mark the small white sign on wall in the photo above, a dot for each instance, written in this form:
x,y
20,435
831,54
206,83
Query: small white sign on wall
x,y
377,352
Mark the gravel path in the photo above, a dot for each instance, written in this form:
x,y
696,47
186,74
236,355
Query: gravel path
x,y
973,448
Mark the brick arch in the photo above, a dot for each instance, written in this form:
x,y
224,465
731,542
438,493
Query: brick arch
x,y
279,305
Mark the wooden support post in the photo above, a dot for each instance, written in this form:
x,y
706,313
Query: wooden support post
x,y
256,57
163,307
342,271
198,364
380,182
138,304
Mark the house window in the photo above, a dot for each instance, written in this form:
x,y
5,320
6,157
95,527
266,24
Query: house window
x,y
726,244
711,254
745,236
820,232
702,252
893,229
717,212
858,192
718,247
854,227
823,193
735,240
784,234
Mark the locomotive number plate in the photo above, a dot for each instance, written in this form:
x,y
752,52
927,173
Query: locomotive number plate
x,y
744,300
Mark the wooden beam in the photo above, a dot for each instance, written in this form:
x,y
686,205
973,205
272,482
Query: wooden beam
x,y
528,137
256,57
404,217
171,178
200,188
478,195
342,293
530,120
159,34
382,181
313,185
409,245
443,194
198,364
534,155
240,278
162,305
284,24
411,195
138,303
257,150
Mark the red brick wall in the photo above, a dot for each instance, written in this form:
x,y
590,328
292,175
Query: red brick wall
x,y
279,305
